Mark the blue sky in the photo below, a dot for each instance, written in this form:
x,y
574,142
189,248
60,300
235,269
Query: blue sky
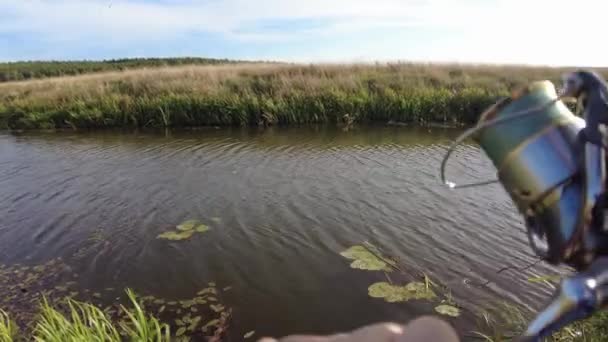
x,y
550,32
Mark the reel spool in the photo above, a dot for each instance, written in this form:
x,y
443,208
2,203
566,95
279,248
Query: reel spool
x,y
531,138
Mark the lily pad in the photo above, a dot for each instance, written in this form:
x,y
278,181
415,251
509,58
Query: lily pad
x,y
184,231
393,293
187,225
448,310
365,260
201,228
176,236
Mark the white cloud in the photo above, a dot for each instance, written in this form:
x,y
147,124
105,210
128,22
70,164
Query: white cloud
x,y
540,31
133,19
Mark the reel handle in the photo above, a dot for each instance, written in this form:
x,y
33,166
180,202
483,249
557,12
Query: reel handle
x,y
578,297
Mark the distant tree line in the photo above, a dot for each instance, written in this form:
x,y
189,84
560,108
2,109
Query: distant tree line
x,y
17,71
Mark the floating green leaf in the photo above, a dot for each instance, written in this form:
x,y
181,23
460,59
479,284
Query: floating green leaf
x,y
184,231
180,331
187,225
217,308
194,323
206,291
392,293
365,260
249,334
187,303
211,323
201,228
176,236
448,310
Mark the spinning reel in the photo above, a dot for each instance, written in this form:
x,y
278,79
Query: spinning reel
x,y
553,166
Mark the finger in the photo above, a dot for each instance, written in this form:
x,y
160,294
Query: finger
x,y
382,332
305,338
428,329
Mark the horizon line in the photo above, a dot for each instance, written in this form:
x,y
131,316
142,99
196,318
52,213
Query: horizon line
x,y
295,61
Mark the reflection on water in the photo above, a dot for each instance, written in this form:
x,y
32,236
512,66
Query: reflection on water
x,y
281,204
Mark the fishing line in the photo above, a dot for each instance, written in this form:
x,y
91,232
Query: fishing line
x,y
474,130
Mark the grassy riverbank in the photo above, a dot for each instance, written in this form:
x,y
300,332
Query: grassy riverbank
x,y
250,94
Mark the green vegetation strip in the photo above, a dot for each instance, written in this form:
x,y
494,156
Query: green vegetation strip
x,y
261,94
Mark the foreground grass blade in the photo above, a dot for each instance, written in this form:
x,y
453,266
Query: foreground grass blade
x,y
86,322
8,329
142,328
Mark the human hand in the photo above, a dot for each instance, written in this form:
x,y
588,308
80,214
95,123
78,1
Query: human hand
x,y
421,329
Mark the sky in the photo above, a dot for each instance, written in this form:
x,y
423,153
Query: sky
x,y
542,32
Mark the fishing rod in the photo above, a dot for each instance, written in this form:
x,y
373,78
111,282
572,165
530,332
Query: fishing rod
x,y
552,164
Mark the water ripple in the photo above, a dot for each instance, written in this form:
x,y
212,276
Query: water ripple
x,y
289,201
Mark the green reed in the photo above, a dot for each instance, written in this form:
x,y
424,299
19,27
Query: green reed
x,y
8,329
262,94
82,321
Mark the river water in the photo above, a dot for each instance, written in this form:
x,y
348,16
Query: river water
x,y
282,203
